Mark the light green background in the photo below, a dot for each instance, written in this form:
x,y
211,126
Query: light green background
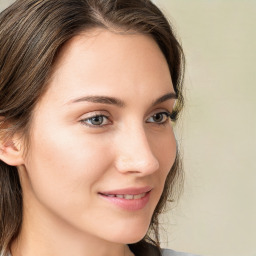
x,y
216,215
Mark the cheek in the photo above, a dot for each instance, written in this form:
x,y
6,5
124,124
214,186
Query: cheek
x,y
165,150
63,166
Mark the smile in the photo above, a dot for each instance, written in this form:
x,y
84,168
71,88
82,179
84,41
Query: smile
x,y
127,197
130,199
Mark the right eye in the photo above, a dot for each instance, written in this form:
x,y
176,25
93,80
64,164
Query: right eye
x,y
96,121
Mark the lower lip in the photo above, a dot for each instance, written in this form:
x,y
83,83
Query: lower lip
x,y
129,204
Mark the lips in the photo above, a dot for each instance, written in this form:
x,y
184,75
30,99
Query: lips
x,y
128,191
131,199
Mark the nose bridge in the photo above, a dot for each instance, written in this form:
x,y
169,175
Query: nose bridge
x,y
134,152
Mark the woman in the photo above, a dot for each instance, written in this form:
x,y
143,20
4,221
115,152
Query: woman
x,y
88,93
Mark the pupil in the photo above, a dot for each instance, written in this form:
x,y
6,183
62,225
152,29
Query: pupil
x,y
158,117
97,120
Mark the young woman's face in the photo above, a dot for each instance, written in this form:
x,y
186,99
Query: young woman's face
x,y
101,142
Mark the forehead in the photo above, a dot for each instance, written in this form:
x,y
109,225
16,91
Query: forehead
x,y
100,61
111,47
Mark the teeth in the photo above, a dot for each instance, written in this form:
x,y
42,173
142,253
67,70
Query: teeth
x,y
139,196
128,197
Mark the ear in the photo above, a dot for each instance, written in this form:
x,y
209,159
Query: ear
x,y
11,151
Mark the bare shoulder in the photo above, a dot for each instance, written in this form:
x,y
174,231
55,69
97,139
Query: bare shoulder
x,y
169,252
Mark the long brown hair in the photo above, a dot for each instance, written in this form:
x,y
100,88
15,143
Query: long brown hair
x,y
32,32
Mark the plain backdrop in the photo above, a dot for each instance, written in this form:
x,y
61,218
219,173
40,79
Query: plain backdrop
x,y
216,214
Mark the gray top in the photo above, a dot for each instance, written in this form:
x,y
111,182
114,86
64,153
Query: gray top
x,y
169,252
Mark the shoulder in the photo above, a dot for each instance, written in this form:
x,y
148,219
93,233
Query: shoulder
x,y
169,252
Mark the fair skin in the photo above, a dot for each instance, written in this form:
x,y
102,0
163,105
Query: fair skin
x,y
73,158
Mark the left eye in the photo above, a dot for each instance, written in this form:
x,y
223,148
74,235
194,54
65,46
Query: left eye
x,y
98,120
159,118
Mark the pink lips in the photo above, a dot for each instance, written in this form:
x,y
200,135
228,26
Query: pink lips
x,y
131,199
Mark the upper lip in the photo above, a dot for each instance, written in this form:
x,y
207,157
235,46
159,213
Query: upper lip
x,y
128,191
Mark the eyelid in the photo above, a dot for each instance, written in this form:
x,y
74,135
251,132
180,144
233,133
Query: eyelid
x,y
160,110
95,113
173,113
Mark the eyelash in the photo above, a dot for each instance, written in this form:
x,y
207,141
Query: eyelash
x,y
167,114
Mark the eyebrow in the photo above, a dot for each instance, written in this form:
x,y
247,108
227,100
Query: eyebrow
x,y
101,99
168,96
119,103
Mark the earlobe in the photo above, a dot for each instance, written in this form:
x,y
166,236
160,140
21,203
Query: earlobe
x,y
11,152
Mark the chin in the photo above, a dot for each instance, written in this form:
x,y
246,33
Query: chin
x,y
130,235
135,239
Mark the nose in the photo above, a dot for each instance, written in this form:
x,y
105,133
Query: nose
x,y
134,154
